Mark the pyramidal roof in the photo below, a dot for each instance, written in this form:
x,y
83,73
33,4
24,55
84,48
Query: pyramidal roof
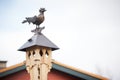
x,y
38,40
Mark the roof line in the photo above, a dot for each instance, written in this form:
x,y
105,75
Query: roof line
x,y
12,67
60,64
79,70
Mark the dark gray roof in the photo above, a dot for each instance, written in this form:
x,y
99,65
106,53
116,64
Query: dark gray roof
x,y
38,40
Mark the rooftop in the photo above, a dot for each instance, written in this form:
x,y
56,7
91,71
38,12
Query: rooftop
x,y
38,40
58,66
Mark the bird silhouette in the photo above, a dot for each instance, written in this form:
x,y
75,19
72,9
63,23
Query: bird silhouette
x,y
37,20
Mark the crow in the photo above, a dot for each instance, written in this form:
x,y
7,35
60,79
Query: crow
x,y
37,20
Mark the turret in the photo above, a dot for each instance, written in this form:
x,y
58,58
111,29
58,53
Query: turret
x,y
38,55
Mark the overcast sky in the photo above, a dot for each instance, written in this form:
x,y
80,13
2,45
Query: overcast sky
x,y
86,31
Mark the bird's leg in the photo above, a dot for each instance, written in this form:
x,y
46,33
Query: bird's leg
x,y
36,26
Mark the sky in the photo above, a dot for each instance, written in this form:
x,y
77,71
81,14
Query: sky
x,y
86,31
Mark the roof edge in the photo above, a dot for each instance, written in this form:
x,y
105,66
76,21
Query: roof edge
x,y
60,64
79,70
12,67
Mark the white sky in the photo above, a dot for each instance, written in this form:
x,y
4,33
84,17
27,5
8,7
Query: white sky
x,y
86,31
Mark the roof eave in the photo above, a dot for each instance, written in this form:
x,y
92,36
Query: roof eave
x,y
24,49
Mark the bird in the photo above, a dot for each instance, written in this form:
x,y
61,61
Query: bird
x,y
36,20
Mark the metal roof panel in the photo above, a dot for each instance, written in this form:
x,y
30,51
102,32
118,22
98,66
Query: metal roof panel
x,y
38,40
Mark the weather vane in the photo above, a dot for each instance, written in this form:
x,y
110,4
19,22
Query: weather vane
x,y
36,20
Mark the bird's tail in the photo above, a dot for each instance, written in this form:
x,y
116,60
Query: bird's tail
x,y
24,21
